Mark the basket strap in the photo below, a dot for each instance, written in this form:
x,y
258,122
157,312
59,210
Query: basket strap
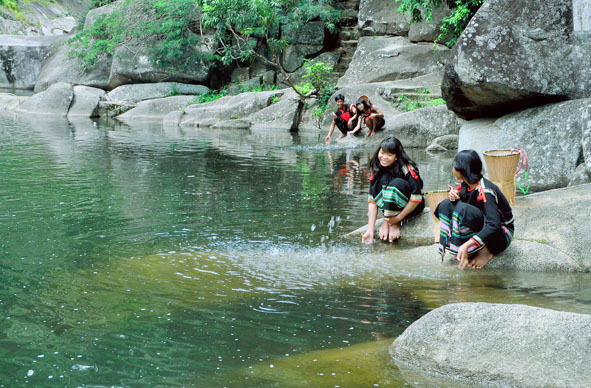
x,y
524,159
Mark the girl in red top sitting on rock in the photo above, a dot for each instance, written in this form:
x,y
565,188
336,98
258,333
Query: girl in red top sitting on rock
x,y
370,115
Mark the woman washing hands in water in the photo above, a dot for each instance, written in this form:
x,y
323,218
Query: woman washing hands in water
x,y
395,187
476,222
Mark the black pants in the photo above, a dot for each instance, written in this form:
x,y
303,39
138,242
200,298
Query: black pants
x,y
342,125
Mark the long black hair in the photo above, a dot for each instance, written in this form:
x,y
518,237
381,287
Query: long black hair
x,y
393,146
366,105
468,163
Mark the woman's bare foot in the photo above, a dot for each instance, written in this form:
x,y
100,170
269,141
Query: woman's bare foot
x,y
384,231
394,233
481,259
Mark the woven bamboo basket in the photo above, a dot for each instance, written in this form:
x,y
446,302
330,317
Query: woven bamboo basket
x,y
501,166
433,199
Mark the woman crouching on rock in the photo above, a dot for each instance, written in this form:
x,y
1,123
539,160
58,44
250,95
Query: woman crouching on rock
x,y
476,222
395,187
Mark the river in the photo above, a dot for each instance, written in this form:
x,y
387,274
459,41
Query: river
x,y
137,255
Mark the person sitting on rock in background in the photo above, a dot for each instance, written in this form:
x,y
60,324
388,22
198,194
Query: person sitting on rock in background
x,y
344,118
395,187
476,222
370,115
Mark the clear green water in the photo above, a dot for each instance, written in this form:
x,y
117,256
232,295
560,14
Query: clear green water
x,y
160,257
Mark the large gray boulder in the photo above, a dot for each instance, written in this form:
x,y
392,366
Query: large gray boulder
x,y
157,108
22,58
329,58
586,141
133,93
305,42
390,59
229,107
86,101
295,55
516,54
497,345
419,128
283,115
54,101
45,18
556,138
132,64
61,67
429,31
381,17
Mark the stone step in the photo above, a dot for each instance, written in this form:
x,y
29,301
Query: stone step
x,y
349,43
352,34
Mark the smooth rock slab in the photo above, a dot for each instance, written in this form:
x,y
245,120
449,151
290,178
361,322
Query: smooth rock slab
x,y
54,101
392,58
484,345
157,108
139,92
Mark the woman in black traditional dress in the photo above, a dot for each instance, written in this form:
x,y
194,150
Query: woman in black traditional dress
x,y
476,222
395,187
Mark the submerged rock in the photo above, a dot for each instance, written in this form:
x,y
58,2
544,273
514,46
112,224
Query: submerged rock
x,y
484,345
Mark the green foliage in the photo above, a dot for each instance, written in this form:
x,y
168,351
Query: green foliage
x,y
317,84
15,9
245,28
413,102
163,23
453,25
275,98
100,3
316,74
11,5
211,95
260,88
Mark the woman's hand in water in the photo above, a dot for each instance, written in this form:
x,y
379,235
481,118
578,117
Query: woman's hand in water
x,y
367,237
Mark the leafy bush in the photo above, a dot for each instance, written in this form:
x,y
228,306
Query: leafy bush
x,y
410,103
211,95
11,5
100,3
163,23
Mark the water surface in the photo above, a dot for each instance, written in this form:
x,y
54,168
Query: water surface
x,y
148,256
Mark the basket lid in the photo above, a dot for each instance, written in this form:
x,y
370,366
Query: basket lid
x,y
496,153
